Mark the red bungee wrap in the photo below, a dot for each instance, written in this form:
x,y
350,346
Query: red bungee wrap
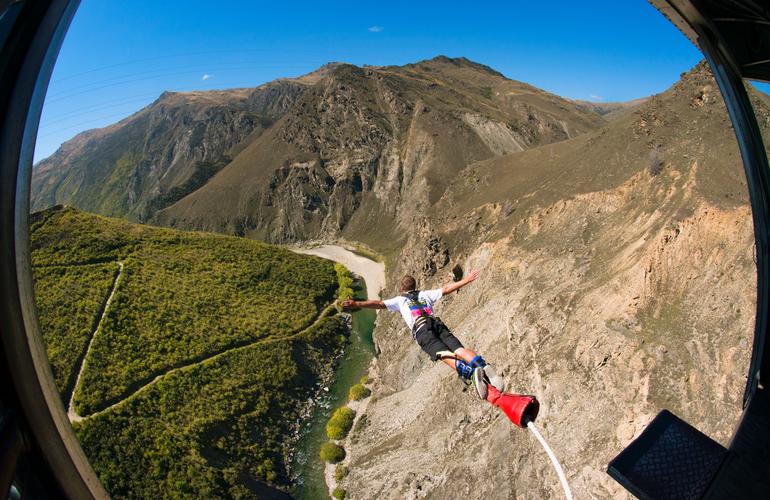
x,y
520,409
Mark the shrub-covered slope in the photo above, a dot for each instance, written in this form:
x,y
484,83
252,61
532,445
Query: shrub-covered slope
x,y
202,362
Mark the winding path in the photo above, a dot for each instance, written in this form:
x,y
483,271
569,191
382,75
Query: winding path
x,y
212,358
372,272
73,416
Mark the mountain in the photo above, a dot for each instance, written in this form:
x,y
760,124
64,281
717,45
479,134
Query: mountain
x,y
157,155
617,279
294,158
364,142
610,110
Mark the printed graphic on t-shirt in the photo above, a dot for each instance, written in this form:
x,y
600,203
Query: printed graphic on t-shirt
x,y
415,308
410,311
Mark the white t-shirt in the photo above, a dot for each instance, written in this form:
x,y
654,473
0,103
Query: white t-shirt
x,y
401,304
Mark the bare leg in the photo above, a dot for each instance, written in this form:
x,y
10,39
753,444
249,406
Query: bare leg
x,y
449,362
465,354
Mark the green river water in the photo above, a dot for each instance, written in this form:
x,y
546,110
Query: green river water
x,y
308,469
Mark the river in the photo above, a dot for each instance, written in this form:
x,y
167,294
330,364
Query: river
x,y
307,467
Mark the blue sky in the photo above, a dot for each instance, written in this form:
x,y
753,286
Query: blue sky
x,y
119,56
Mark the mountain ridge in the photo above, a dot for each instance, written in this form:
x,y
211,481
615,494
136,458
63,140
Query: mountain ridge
x,y
362,134
206,131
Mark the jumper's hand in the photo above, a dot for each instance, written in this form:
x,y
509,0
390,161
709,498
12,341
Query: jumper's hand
x,y
349,304
452,287
472,276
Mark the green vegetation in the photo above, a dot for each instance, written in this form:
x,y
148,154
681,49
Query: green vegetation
x,y
236,332
358,392
367,252
340,472
69,304
332,453
340,423
195,431
64,236
216,293
339,493
183,296
364,380
344,282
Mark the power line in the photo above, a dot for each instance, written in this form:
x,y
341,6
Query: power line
x,y
165,72
156,58
50,133
128,82
96,107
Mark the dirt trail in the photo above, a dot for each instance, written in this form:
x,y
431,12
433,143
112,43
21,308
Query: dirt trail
x,y
73,416
211,358
372,272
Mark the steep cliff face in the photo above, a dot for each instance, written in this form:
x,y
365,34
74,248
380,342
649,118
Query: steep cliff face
x,y
163,152
617,279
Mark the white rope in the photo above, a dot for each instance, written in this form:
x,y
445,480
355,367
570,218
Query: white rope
x,y
556,464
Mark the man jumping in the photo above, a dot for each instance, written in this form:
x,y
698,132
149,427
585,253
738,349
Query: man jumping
x,y
432,334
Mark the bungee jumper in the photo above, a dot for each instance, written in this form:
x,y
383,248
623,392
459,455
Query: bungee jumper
x,y
435,338
438,341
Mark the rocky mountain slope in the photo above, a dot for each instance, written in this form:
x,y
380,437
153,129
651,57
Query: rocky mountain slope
x,y
157,155
324,154
617,279
363,143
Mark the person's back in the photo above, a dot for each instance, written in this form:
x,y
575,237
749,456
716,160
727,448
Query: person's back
x,y
432,335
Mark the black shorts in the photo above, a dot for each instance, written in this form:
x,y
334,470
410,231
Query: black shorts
x,y
436,338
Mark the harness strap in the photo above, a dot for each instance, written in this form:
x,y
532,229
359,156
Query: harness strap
x,y
478,361
446,355
464,370
413,297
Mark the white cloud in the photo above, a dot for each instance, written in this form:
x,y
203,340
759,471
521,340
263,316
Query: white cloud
x,y
375,29
206,76
596,97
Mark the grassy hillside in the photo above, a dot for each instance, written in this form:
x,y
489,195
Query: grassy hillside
x,y
213,431
201,363
70,301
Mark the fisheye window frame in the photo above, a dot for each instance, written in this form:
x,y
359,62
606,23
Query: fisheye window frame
x,y
36,431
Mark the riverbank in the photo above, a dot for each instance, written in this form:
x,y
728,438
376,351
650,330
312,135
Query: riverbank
x,y
373,273
314,478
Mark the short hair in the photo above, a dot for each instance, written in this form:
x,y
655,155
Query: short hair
x,y
408,283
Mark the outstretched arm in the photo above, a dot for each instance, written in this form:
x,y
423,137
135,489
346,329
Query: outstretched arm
x,y
451,287
368,304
